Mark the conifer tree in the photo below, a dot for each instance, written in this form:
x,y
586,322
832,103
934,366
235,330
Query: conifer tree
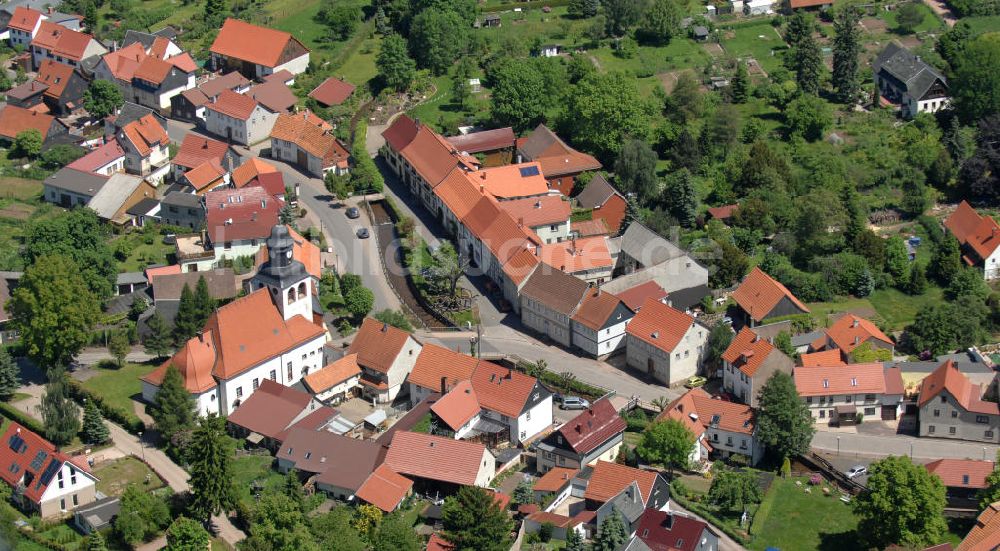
x,y
94,430
186,324
173,407
10,375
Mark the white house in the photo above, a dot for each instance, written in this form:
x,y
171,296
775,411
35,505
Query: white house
x,y
599,323
238,118
336,381
838,394
976,234
23,26
438,369
147,148
301,139
269,334
62,45
721,428
902,78
386,355
748,363
665,343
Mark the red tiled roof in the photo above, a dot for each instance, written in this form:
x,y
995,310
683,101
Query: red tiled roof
x,y
17,464
503,390
436,457
197,149
430,156
106,153
588,228
231,104
332,91
747,351
195,362
457,407
14,120
184,62
593,427
538,211
554,155
24,19
980,233
56,76
948,377
144,133
985,535
596,308
271,409
521,265
577,255
274,96
207,173
723,212
123,62
297,128
436,363
251,169
153,70
62,41
696,410
400,133
333,374
557,520
635,297
378,344
556,479
510,181
486,140
236,214
438,543
498,231
869,378
385,488
850,331
795,4
825,358
156,271
961,473
659,325
667,531
261,45
609,479
760,293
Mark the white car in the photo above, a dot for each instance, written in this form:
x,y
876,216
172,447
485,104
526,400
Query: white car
x,y
856,471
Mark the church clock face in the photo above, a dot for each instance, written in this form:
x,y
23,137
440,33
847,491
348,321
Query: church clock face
x,y
288,255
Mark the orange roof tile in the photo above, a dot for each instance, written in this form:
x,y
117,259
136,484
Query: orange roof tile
x,y
435,457
760,293
246,213
850,331
24,19
981,233
307,253
503,390
332,91
595,309
430,155
869,378
498,231
231,104
985,534
152,70
62,41
261,45
385,488
948,377
251,169
333,374
436,363
400,133
195,361
659,325
554,480
538,211
144,133
747,351
588,228
578,255
609,479
459,406
156,271
521,265
184,62
560,521
56,76
378,344
14,120
635,297
300,129
438,543
723,212
197,149
696,410
204,175
825,358
123,62
511,181
961,473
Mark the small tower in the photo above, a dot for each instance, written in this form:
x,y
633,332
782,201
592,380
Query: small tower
x,y
284,277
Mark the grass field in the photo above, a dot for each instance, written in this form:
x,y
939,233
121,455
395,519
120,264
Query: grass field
x,y
801,521
20,204
117,386
144,248
929,23
115,476
895,307
359,68
254,468
983,24
761,41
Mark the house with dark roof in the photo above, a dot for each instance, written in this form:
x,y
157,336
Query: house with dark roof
x,y
979,237
839,394
747,364
606,202
64,87
338,465
269,334
239,118
42,478
257,52
300,139
266,417
167,289
121,192
643,256
560,163
903,79
27,95
665,343
759,296
951,406
179,208
598,324
386,355
549,298
721,429
669,531
595,434
72,188
627,504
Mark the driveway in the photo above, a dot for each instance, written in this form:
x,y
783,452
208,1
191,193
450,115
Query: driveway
x,y
865,445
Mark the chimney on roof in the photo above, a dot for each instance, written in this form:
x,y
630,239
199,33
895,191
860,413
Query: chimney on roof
x,y
520,222
578,427
416,122
385,327
51,9
201,336
855,322
444,385
857,339
538,204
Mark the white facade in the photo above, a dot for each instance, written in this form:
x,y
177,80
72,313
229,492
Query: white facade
x,y
737,383
294,66
758,7
338,390
823,408
289,368
668,367
247,132
532,422
161,98
553,233
71,488
39,54
289,152
602,342
546,321
23,38
153,165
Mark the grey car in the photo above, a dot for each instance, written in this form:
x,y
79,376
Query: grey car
x,y
574,402
363,233
353,213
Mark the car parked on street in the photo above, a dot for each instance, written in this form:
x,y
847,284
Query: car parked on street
x,y
353,213
574,402
856,471
362,233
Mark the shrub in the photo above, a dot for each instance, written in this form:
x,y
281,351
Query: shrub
x,y
116,415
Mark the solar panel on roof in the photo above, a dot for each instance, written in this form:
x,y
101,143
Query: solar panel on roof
x,y
50,472
36,463
16,443
529,171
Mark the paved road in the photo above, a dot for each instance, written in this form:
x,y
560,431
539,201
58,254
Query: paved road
x,y
863,445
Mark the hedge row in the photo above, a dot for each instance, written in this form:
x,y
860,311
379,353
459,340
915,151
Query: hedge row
x,y
46,543
763,511
704,513
128,420
18,416
362,161
507,6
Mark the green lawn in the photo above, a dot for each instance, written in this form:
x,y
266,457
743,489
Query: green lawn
x,y
115,476
929,23
254,468
983,24
20,204
62,535
801,521
760,41
359,68
142,248
118,386
896,308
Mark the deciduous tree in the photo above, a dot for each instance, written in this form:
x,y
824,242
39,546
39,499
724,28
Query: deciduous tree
x,y
473,520
119,346
976,85
909,16
80,236
603,110
103,98
394,63
187,534
784,423
359,301
903,504
668,442
395,534
518,93
735,491
438,37
808,116
661,21
28,143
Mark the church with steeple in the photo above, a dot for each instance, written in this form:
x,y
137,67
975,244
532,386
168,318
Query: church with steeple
x,y
271,333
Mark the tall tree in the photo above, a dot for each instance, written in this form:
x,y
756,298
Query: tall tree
x,y
142,515
622,15
800,25
681,198
583,8
438,37
806,59
359,301
808,116
731,265
979,176
396,534
95,541
278,524
991,493
333,530
719,338
735,491
946,260
10,375
897,260
103,98
574,541
211,469
740,87
187,534
59,414
976,85
661,21
187,322
94,430
635,169
783,420
603,110
517,95
846,49
215,11
173,407
394,63
612,535
119,346
783,342
28,144
203,301
54,311
159,339
473,520
903,504
668,442
80,236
